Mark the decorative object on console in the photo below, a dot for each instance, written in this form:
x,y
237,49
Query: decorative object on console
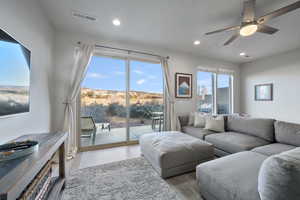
x,y
183,85
264,92
15,150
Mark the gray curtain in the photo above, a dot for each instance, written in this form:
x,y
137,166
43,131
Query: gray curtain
x,y
82,57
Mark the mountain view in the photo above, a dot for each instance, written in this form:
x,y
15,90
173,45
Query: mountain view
x,y
109,106
106,97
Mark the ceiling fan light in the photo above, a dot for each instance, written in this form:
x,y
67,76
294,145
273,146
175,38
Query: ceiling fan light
x,y
248,30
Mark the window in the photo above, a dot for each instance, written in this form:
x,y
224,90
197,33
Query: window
x,y
223,94
205,85
214,91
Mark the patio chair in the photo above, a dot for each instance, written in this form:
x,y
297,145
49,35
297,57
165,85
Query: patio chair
x,y
88,126
157,119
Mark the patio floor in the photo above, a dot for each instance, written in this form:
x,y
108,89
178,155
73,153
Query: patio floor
x,y
115,135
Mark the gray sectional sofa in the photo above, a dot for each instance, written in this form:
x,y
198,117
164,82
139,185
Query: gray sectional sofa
x,y
260,160
243,134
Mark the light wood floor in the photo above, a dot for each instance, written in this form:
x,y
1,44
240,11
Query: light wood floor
x,y
99,157
185,185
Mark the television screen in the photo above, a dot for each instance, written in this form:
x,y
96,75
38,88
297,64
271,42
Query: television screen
x,y
14,76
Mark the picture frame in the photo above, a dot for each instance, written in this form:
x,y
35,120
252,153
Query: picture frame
x,y
263,92
183,85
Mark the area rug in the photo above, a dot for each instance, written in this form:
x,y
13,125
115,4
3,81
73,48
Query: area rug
x,y
132,179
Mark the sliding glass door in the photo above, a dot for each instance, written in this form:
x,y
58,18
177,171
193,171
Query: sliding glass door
x,y
146,98
121,100
103,102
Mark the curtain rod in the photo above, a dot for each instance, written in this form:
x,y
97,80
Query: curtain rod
x,y
129,51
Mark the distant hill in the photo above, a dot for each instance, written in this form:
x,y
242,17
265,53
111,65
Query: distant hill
x,y
105,97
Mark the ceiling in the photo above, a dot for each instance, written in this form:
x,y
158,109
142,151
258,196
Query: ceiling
x,y
175,24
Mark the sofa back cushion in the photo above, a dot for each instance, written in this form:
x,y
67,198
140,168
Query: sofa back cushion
x,y
215,124
183,120
279,176
287,133
262,128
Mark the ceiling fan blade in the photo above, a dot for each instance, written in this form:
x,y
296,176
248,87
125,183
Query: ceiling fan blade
x,y
248,10
279,12
266,29
231,28
234,37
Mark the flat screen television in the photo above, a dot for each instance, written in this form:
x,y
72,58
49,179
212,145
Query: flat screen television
x,y
14,76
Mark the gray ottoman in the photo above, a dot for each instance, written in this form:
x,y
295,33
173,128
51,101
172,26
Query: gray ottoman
x,y
172,153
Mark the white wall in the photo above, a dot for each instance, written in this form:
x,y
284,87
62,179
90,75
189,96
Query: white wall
x,y
24,20
284,72
65,43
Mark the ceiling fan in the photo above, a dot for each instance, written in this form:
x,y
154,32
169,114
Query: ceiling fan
x,y
250,24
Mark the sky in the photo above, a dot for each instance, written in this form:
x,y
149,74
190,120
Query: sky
x,y
14,70
110,74
205,79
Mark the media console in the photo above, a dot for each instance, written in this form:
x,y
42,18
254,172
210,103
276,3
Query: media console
x,y
20,175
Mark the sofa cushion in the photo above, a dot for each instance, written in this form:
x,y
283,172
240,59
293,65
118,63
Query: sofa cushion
x,y
197,132
221,153
191,119
263,128
287,133
279,176
233,142
273,149
215,124
231,177
183,120
199,120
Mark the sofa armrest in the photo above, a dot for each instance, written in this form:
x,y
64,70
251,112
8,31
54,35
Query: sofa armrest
x,y
279,176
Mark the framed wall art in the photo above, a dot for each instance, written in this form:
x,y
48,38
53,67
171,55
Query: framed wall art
x,y
264,92
183,85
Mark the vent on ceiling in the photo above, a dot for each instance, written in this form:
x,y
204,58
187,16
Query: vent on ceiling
x,y
84,16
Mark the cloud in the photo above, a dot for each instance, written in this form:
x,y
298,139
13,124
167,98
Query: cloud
x,y
151,77
96,75
138,72
119,73
141,81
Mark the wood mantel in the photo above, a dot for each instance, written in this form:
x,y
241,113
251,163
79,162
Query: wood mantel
x,y
16,175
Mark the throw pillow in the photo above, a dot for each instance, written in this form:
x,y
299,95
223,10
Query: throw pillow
x,y
199,121
215,124
191,119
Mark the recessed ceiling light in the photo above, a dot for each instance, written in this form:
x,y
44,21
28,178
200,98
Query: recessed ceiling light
x,y
116,22
197,42
243,54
